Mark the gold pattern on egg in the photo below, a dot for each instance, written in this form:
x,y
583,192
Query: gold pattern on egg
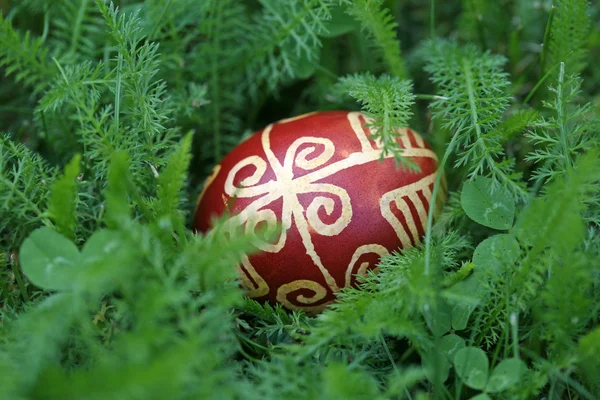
x,y
398,196
302,302
362,268
288,187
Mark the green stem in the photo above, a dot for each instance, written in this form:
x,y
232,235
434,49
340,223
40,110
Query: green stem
x,y
388,353
475,122
430,97
215,82
46,24
432,19
562,118
4,289
14,190
77,26
150,36
546,44
514,326
135,193
118,91
19,278
540,82
436,188
262,49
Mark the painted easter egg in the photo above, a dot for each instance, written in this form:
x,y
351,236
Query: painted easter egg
x,y
318,177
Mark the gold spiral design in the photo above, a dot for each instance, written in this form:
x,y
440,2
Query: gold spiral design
x,y
362,268
301,302
313,155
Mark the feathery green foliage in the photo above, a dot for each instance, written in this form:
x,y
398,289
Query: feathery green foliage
x,y
26,58
112,114
380,26
387,101
25,182
62,206
473,98
282,35
564,134
569,34
76,25
223,25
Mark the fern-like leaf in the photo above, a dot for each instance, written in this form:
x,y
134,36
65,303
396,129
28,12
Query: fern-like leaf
x,y
116,192
570,29
24,184
282,34
552,226
26,58
77,30
562,136
387,101
62,205
472,99
222,26
381,27
171,180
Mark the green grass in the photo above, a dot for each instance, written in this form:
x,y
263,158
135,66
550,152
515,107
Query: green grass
x,y
112,115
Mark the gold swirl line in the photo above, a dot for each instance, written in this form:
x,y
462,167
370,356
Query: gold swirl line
x,y
302,226
252,290
320,292
364,249
276,166
356,159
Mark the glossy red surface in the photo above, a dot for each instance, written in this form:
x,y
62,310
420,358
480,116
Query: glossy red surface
x,y
341,209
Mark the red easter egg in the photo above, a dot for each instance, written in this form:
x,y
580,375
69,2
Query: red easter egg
x,y
340,208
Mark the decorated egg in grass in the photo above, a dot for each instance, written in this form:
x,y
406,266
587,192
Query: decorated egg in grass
x,y
338,207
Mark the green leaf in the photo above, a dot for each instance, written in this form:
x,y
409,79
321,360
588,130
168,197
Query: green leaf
x,y
171,180
491,257
451,344
439,321
387,101
116,193
402,380
472,367
340,23
50,260
381,27
105,256
481,396
442,356
433,360
589,345
570,32
469,292
494,209
100,245
342,382
305,67
507,373
63,199
496,253
471,101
